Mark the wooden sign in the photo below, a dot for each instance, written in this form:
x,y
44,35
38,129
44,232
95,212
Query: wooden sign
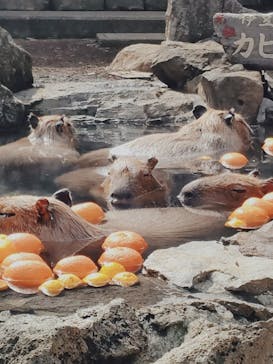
x,y
247,38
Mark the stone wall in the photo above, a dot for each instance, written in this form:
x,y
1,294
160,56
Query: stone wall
x,y
83,5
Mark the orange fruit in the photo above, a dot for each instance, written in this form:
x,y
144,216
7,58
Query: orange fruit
x,y
259,202
268,146
27,243
129,258
16,257
51,288
268,197
80,265
96,279
27,275
6,248
128,239
125,279
233,160
111,269
89,211
70,281
247,218
3,285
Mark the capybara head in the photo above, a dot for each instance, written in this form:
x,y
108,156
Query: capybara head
x,y
51,130
62,232
223,192
224,130
131,183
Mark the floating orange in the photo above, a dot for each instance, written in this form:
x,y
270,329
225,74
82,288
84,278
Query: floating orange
x,y
89,211
268,197
129,258
27,243
80,265
247,218
127,239
262,204
233,160
268,146
6,248
16,257
26,276
125,279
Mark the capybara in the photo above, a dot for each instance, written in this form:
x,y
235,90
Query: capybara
x,y
126,183
50,148
223,192
214,133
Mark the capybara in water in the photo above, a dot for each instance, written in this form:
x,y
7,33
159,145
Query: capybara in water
x,y
214,133
127,183
49,149
223,192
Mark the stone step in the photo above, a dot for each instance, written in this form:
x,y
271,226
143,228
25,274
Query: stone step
x,y
112,39
80,24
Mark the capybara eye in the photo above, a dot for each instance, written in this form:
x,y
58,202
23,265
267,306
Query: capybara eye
x,y
239,190
188,195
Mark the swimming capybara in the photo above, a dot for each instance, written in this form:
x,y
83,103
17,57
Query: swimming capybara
x,y
126,183
214,133
49,148
223,192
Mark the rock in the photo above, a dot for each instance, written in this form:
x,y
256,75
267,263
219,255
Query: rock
x,y
178,62
265,114
241,90
24,4
156,4
255,243
187,22
12,111
212,267
77,5
15,64
137,101
124,4
136,57
247,38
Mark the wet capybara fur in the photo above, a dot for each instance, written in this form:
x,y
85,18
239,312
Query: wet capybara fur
x,y
214,133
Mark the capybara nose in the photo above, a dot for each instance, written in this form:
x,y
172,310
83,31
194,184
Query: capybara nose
x,y
59,126
186,198
121,195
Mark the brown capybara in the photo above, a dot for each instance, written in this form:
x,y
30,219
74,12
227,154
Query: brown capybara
x,y
49,148
223,192
129,183
214,133
63,233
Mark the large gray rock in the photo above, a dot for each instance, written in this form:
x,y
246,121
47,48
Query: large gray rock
x,y
77,5
136,57
241,90
247,38
189,21
124,4
24,4
178,62
12,111
15,64
211,267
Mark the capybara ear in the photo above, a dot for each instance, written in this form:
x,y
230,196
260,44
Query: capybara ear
x,y
151,163
33,120
254,173
43,212
267,185
198,111
64,195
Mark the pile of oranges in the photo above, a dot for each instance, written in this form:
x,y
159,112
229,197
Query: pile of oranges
x,y
253,213
23,270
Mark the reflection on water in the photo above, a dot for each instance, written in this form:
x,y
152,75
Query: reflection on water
x,y
93,135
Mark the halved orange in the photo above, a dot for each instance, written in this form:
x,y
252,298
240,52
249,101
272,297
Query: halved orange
x,y
125,279
268,197
127,239
247,218
130,259
233,160
6,248
25,242
16,257
26,276
268,146
80,265
89,211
